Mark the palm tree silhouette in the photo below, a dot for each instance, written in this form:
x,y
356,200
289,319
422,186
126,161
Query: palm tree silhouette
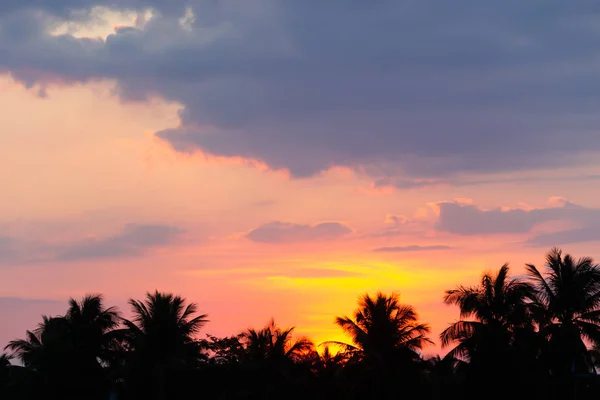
x,y
274,343
491,313
568,310
387,341
273,360
495,337
67,350
92,326
161,338
383,330
45,347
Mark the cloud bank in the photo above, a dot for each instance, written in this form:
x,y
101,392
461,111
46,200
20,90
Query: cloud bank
x,y
404,88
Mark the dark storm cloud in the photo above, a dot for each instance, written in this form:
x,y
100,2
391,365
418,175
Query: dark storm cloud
x,y
420,89
286,232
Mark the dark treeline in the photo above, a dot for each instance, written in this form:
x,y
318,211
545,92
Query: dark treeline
x,y
531,337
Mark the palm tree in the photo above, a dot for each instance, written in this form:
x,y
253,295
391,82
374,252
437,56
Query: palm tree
x,y
95,338
274,344
383,331
161,337
46,347
569,310
491,315
92,326
273,361
65,350
387,340
495,337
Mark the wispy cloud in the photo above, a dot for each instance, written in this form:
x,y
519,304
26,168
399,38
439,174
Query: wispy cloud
x,y
412,248
308,273
133,240
287,232
579,235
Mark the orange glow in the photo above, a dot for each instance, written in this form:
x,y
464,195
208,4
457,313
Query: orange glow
x,y
87,165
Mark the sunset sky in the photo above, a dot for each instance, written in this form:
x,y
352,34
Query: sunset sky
x,y
278,159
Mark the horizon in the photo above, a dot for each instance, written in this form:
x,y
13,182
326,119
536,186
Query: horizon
x,y
271,159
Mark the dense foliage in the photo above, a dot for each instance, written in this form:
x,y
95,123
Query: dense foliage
x,y
535,336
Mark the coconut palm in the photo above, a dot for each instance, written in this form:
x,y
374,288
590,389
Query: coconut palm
x,y
495,338
569,306
65,350
163,328
387,340
92,327
383,331
274,343
46,347
161,339
491,315
273,361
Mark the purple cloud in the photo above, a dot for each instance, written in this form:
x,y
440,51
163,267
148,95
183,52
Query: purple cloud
x,y
286,232
468,220
133,240
413,90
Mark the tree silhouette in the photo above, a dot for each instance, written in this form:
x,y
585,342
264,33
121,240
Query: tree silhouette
x,y
568,310
273,362
495,317
383,331
490,314
525,337
273,343
161,339
386,343
66,351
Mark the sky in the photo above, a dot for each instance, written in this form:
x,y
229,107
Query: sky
x,y
270,158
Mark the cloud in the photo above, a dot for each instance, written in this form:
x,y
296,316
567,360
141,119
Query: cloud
x,y
402,183
286,232
580,235
6,247
406,249
421,90
133,240
316,273
467,220
400,225
406,184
